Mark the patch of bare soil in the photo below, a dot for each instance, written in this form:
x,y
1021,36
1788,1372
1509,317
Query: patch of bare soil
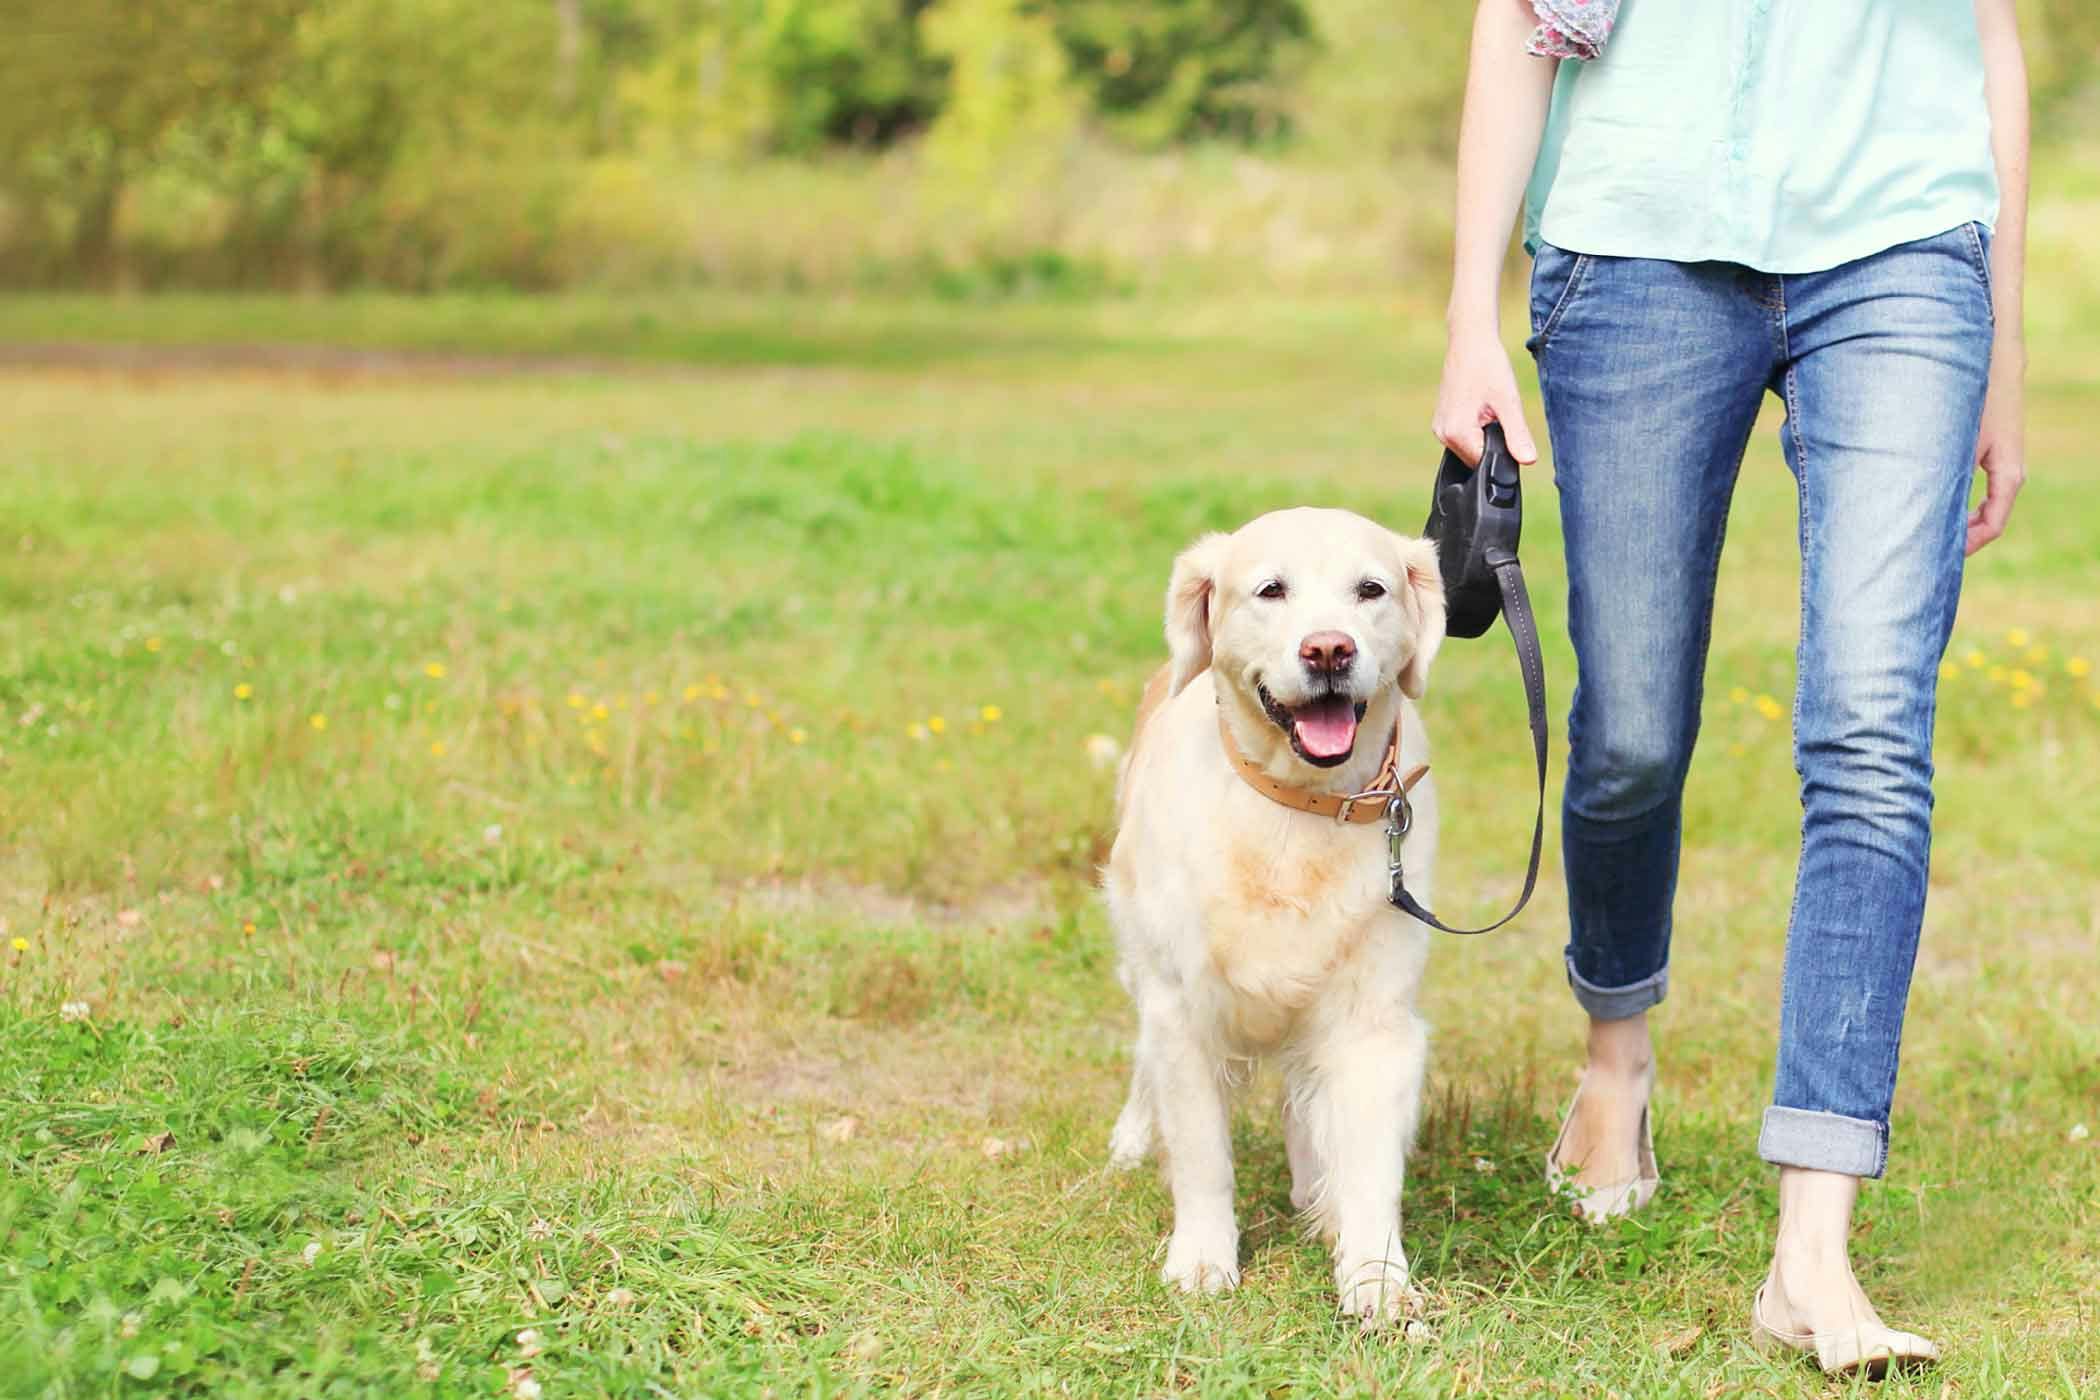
x,y
324,362
881,908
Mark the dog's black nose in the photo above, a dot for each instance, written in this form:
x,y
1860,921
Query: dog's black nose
x,y
1327,653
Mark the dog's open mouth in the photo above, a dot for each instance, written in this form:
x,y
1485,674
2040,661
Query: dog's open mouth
x,y
1322,730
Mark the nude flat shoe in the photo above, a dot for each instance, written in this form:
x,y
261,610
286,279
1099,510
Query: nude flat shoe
x,y
1868,1351
1599,1204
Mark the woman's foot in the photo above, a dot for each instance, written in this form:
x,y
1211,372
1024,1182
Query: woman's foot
x,y
1811,1301
1604,1158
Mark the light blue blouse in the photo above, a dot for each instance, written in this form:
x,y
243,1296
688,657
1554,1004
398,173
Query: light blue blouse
x,y
1786,135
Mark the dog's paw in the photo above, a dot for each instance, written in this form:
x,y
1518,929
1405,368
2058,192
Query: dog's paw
x,y
1201,1264
1379,1295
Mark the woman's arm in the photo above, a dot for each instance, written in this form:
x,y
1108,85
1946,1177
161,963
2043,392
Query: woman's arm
x,y
2001,445
1507,92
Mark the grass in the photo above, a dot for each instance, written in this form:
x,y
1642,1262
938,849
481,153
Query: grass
x,y
582,879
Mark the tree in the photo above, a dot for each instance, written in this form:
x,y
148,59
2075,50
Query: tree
x,y
108,82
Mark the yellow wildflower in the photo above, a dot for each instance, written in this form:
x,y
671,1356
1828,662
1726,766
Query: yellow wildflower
x,y
599,712
437,748
650,697
2021,699
248,926
1768,707
2021,679
935,724
753,699
915,730
2016,637
692,693
798,736
153,644
19,944
991,714
435,670
575,701
1973,659
1948,670
1739,696
317,720
243,691
1996,675
2078,667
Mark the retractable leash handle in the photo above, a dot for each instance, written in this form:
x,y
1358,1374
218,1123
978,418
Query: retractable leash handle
x,y
1476,516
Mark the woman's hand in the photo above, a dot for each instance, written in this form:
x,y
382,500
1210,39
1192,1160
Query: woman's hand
x,y
2001,445
1479,387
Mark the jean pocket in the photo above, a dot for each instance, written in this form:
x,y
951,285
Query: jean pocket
x,y
1557,276
1979,240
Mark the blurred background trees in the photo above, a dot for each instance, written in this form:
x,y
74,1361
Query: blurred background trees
x,y
534,143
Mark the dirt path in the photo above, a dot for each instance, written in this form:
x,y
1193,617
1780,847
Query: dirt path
x,y
324,361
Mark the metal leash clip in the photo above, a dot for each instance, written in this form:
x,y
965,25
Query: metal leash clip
x,y
1399,820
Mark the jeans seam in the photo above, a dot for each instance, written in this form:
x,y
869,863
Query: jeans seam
x,y
1576,276
1803,533
1982,261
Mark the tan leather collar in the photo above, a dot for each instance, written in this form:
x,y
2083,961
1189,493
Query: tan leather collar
x,y
1362,807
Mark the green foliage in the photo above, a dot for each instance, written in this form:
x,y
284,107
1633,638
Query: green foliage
x,y
426,144
1164,70
1010,111
107,89
789,76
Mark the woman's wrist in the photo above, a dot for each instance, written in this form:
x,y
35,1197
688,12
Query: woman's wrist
x,y
2009,351
1473,318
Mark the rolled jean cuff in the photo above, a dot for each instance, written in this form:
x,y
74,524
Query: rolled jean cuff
x,y
1617,1003
1824,1142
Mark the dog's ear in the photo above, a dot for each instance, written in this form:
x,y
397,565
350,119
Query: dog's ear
x,y
1191,594
1424,595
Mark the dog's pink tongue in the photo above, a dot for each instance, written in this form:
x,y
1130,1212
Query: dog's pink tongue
x,y
1326,728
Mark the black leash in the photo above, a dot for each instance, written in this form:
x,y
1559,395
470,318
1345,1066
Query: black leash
x,y
1475,517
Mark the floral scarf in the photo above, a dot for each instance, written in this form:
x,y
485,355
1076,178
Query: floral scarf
x,y
1572,28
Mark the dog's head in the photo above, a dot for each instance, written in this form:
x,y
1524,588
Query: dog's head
x,y
1309,617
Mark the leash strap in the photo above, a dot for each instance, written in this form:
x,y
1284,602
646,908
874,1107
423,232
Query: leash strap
x,y
1523,630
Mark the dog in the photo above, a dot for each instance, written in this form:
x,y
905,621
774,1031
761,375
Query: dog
x,y
1246,928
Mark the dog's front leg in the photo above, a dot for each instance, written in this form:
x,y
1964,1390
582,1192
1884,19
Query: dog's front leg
x,y
1188,1100
1371,1090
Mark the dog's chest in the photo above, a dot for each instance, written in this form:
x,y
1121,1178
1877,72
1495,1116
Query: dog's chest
x,y
1283,922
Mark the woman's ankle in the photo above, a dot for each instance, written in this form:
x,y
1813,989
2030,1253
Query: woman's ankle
x,y
1622,1047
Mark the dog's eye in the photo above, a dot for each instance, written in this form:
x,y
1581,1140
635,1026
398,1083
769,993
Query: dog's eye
x,y
1272,589
1370,588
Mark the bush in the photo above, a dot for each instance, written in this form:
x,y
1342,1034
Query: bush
x,y
1167,70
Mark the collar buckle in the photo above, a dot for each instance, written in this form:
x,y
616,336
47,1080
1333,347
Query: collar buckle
x,y
1383,794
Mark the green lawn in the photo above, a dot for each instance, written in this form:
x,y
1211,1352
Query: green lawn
x,y
582,878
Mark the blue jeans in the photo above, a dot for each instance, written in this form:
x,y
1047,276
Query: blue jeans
x,y
1653,373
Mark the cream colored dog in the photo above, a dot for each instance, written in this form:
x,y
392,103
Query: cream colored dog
x,y
1247,928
